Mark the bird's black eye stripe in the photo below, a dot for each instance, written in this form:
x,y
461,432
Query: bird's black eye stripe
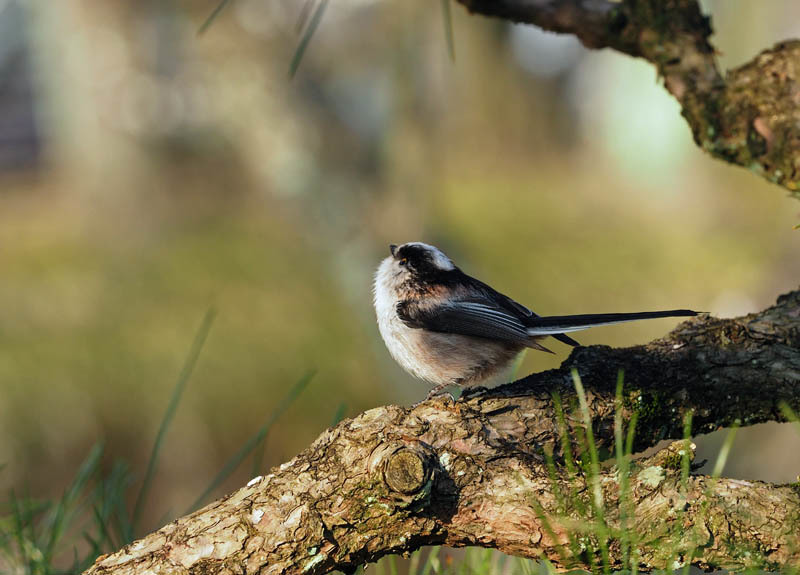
x,y
411,254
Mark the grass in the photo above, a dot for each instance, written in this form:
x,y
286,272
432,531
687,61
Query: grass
x,y
308,25
255,441
177,393
92,517
305,39
447,23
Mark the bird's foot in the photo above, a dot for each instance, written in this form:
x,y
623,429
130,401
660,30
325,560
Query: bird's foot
x,y
438,391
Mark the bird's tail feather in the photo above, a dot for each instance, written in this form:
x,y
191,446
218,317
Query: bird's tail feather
x,y
555,324
564,338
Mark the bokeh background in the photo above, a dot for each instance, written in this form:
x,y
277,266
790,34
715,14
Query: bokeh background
x,y
148,173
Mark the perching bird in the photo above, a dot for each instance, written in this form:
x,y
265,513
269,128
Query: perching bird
x,y
448,328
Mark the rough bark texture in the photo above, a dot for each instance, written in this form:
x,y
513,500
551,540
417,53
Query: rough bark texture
x,y
749,117
477,471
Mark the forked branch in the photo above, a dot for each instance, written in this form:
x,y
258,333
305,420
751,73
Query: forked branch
x,y
750,116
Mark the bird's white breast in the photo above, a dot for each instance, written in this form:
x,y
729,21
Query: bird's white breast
x,y
434,357
400,339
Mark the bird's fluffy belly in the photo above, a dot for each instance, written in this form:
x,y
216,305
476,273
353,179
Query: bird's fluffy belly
x,y
441,358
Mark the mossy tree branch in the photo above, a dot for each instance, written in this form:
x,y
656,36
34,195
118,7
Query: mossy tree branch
x,y
750,116
475,472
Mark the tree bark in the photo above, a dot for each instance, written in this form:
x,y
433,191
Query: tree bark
x,y
492,469
750,116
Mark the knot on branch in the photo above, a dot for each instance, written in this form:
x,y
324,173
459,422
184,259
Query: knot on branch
x,y
407,471
402,473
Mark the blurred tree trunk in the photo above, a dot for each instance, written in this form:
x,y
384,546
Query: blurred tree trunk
x,y
494,469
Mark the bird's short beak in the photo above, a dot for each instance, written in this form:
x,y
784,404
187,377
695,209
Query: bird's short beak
x,y
392,248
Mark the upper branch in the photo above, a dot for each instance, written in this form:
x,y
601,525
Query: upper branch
x,y
476,472
750,117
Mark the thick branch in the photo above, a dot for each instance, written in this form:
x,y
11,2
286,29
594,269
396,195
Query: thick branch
x,y
722,370
750,118
474,472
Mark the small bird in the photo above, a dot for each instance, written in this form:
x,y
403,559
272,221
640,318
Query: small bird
x,y
448,328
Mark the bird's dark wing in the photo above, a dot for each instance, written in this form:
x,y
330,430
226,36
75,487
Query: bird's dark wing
x,y
496,298
475,318
516,308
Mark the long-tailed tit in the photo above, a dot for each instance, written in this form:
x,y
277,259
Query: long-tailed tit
x,y
448,328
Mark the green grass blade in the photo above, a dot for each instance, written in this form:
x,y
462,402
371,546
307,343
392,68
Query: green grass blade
x,y
563,504
54,532
631,508
574,500
105,535
447,22
258,456
211,17
432,562
722,458
517,364
686,467
341,411
526,566
563,434
61,515
22,532
85,473
302,17
183,378
79,566
623,470
674,544
552,473
316,18
485,556
114,502
547,527
594,478
619,446
123,522
687,451
237,458
788,413
594,459
631,433
413,565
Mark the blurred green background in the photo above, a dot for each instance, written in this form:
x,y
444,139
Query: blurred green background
x,y
148,173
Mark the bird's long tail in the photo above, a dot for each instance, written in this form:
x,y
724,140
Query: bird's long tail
x,y
555,324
